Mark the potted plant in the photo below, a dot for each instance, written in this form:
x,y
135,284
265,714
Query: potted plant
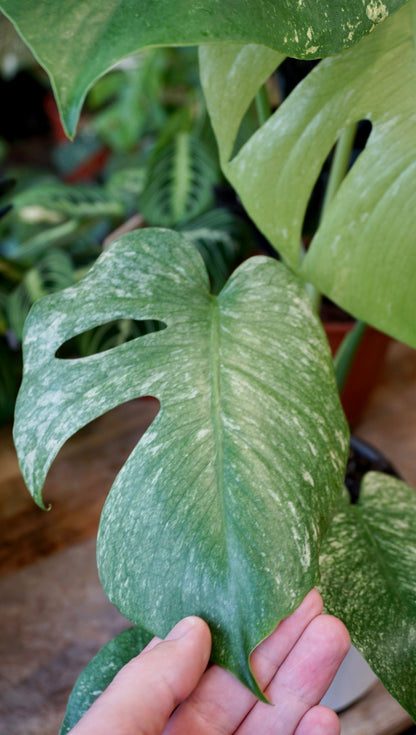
x,y
244,378
51,230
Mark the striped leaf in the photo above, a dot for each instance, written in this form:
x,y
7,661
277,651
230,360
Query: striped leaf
x,y
53,272
223,239
221,508
55,202
179,182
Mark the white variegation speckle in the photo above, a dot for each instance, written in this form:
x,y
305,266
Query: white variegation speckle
x,y
202,434
376,11
308,477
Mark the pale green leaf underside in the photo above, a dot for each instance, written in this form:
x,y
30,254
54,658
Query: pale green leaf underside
x,y
79,40
101,671
368,569
363,255
220,509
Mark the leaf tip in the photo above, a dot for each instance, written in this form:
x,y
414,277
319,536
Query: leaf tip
x,y
37,497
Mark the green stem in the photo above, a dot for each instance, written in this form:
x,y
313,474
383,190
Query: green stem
x,y
348,349
262,105
314,295
346,353
339,166
34,285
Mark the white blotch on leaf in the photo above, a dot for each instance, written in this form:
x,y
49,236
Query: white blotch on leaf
x,y
376,11
308,477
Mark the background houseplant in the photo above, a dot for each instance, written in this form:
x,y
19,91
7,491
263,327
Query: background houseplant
x,y
229,552
57,217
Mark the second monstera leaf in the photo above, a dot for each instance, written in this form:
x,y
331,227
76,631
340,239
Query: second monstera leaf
x,y
221,508
101,671
368,566
363,255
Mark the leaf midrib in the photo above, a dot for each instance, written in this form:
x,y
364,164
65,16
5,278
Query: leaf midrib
x,y
391,582
217,422
413,34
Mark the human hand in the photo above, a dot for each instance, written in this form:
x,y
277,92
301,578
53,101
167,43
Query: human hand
x,y
168,689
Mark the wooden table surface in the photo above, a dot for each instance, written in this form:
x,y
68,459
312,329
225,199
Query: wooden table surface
x,y
54,615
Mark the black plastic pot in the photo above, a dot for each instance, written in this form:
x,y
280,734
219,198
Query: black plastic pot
x,y
364,458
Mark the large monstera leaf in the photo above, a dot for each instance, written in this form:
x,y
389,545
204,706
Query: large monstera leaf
x,y
221,508
78,40
363,256
368,568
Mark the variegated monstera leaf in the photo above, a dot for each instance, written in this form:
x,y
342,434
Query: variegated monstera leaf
x,y
368,568
221,508
100,672
77,42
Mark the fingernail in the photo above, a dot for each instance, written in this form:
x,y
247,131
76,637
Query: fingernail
x,y
182,628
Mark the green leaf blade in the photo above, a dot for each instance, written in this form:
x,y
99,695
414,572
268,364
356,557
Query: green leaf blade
x,y
98,35
210,515
362,256
94,385
231,75
101,671
368,565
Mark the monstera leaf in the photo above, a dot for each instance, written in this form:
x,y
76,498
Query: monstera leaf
x,y
77,42
221,508
368,569
363,255
101,671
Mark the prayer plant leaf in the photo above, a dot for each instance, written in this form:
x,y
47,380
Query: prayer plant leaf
x,y
363,254
101,671
179,182
220,509
77,41
368,567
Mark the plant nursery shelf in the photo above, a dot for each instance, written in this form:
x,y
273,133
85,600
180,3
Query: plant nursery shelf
x,y
53,611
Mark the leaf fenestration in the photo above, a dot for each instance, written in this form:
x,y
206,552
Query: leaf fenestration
x,y
362,256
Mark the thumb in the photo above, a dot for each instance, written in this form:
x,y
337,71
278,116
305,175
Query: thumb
x,y
143,695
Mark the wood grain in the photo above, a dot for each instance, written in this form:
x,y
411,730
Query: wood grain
x,y
76,486
376,714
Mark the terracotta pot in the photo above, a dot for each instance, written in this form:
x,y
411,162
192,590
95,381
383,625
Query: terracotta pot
x,y
366,367
93,164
